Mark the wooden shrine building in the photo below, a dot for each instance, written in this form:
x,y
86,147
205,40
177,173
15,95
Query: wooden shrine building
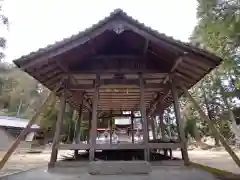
x,y
119,64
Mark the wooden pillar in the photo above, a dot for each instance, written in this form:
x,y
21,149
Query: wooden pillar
x,y
77,129
144,119
169,123
180,124
111,133
56,138
162,126
132,127
89,126
93,132
213,128
153,127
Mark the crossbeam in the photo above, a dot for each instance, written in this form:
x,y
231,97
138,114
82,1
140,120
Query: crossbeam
x,y
91,86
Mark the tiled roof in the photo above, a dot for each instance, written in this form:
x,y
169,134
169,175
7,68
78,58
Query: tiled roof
x,y
7,121
122,14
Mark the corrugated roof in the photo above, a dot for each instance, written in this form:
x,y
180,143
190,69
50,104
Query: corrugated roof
x,y
8,121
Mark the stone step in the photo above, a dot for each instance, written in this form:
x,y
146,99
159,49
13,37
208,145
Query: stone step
x,y
119,167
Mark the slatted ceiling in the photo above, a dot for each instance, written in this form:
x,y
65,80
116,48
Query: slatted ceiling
x,y
149,81
85,82
153,75
106,76
84,76
131,76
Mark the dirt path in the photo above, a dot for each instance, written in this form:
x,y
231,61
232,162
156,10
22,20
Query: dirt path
x,y
216,159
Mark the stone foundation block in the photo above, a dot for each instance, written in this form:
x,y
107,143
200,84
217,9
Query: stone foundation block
x,y
119,167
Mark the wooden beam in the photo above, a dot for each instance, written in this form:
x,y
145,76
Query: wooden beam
x,y
145,47
92,75
117,56
81,87
66,70
158,101
213,128
180,125
175,65
171,44
49,101
164,145
63,47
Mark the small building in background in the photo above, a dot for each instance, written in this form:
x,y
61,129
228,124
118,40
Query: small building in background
x,y
10,128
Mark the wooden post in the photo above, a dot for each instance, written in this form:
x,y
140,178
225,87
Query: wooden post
x,y
77,128
93,132
153,127
132,127
144,119
180,124
162,126
49,101
213,128
111,127
89,126
56,138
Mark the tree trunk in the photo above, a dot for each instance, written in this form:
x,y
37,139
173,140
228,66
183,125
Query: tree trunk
x,y
213,129
196,133
209,113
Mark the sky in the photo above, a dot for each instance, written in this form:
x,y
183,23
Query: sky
x,y
37,23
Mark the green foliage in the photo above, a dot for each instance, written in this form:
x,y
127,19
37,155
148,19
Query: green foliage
x,y
3,22
218,30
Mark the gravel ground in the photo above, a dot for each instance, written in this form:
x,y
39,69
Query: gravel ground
x,y
158,173
216,159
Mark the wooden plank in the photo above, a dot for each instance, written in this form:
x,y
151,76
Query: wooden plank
x,y
164,145
119,146
80,146
117,84
117,56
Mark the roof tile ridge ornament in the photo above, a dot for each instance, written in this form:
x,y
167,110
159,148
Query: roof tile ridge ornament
x,y
118,27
